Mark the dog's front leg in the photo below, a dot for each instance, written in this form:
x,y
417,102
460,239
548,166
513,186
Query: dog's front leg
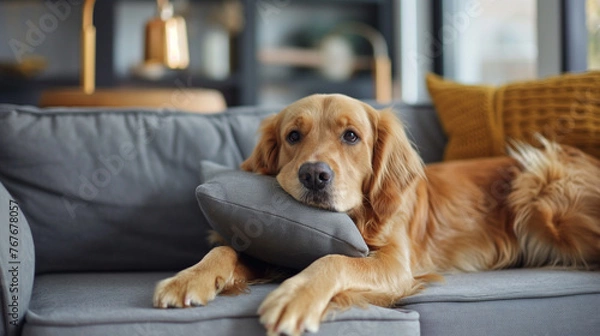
x,y
221,271
300,303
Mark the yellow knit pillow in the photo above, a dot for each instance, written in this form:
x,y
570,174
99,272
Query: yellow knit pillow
x,y
479,119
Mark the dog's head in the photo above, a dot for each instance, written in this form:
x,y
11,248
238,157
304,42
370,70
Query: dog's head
x,y
337,153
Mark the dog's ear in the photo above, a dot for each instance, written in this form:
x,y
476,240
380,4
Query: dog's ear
x,y
395,164
263,159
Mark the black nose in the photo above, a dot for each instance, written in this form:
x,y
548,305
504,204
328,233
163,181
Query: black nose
x,y
315,175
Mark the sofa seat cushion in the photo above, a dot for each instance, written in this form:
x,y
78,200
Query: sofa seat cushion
x,y
511,302
121,304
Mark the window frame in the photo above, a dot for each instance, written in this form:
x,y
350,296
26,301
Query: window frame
x,y
420,22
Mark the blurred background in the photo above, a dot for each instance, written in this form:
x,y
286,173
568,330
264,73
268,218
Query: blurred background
x,y
276,51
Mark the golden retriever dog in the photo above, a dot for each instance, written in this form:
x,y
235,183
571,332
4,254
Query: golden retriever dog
x,y
536,207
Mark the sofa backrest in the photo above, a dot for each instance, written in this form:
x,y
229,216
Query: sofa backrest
x,y
114,189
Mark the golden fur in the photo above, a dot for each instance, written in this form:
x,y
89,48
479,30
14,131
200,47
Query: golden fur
x,y
537,207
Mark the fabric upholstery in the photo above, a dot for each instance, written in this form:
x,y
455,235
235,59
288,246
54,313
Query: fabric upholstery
x,y
510,302
114,189
256,216
17,264
480,119
121,304
507,302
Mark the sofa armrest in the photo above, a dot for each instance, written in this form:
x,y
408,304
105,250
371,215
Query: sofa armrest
x,y
17,265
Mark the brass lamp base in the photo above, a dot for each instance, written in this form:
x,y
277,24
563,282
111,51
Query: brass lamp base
x,y
190,100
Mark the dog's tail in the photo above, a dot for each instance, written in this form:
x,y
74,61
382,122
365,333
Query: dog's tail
x,y
556,201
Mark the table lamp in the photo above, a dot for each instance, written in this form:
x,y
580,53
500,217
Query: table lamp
x,y
165,45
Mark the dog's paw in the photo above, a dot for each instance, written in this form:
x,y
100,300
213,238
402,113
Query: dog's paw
x,y
293,308
188,289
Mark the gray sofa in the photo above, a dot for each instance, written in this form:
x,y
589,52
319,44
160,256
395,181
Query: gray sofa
x,y
97,205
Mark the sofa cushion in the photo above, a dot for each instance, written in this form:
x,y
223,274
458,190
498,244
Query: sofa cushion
x,y
256,216
114,189
121,304
424,130
510,302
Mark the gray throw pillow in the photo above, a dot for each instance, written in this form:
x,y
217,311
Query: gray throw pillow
x,y
256,216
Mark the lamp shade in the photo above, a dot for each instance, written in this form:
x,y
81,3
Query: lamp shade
x,y
166,39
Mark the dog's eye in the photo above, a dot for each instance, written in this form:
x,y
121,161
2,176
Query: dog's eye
x,y
293,137
350,137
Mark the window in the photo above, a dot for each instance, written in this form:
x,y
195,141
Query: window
x,y
489,42
593,26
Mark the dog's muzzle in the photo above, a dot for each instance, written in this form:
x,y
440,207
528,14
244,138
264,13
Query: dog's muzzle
x,y
317,178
